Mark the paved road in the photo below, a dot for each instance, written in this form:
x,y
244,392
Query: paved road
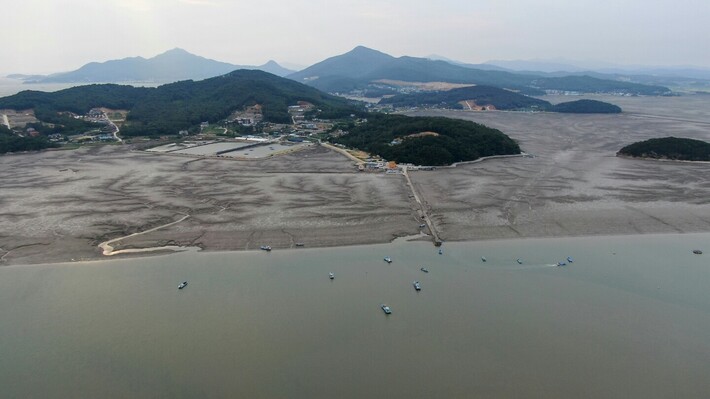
x,y
115,132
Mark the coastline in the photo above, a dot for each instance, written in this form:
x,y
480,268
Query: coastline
x,y
423,239
661,159
59,206
616,287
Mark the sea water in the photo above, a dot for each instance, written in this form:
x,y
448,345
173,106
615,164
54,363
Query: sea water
x,y
630,317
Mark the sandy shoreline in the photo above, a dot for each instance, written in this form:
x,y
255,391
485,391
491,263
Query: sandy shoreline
x,y
59,206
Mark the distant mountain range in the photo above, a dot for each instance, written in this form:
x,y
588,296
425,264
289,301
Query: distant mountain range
x,y
563,65
679,76
362,68
171,66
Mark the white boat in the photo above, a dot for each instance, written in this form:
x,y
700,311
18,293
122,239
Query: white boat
x,y
386,308
569,259
331,275
483,258
520,262
265,248
388,259
417,286
182,285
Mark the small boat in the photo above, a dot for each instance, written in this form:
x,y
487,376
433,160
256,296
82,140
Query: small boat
x,y
424,269
182,285
388,259
483,258
569,259
561,264
441,251
520,262
331,275
300,244
697,252
417,286
265,248
386,308
421,226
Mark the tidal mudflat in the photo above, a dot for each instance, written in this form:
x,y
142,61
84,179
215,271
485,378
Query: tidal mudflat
x,y
59,205
573,184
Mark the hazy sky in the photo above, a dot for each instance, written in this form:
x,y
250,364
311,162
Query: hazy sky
x,y
42,36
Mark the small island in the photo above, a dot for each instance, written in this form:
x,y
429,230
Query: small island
x,y
586,107
671,148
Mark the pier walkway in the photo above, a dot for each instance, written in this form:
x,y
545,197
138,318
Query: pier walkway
x,y
422,207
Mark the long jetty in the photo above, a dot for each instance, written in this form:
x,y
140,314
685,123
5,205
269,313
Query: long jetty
x,y
422,207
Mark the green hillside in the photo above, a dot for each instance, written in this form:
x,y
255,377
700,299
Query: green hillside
x,y
446,140
177,106
499,98
483,95
359,68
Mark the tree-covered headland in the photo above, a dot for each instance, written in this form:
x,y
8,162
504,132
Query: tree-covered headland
x,y
427,140
674,148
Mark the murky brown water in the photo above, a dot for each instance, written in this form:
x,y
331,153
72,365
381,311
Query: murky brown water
x,y
629,318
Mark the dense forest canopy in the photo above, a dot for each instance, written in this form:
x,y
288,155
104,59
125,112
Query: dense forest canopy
x,y
178,106
501,99
589,84
586,107
483,95
398,138
675,148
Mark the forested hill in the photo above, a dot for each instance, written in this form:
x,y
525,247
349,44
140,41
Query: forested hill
x,y
669,148
173,107
499,98
427,140
482,95
362,67
586,107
